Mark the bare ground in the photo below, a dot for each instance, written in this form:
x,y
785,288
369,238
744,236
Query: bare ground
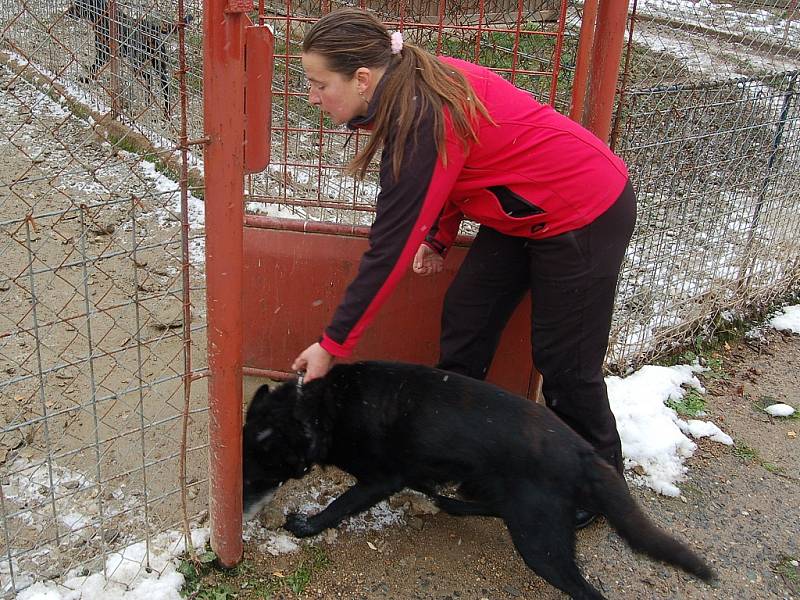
x,y
740,507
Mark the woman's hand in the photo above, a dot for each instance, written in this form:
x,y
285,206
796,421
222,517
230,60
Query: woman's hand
x,y
315,361
427,261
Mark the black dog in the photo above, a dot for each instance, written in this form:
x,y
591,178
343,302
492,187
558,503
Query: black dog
x,y
142,41
396,426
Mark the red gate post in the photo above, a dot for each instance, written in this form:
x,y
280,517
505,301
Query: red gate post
x,y
223,116
583,60
606,53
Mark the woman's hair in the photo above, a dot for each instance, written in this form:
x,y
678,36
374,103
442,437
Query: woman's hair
x,y
350,38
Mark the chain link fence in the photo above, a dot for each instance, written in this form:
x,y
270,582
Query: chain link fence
x,y
708,122
101,286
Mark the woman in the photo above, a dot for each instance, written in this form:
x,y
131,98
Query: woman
x,y
555,208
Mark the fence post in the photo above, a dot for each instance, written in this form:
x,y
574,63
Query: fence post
x,y
607,51
223,116
745,272
583,59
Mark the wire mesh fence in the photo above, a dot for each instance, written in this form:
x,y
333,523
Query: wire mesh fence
x,y
101,290
101,231
528,42
707,120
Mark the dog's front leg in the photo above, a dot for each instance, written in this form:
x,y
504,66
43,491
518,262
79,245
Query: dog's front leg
x,y
357,499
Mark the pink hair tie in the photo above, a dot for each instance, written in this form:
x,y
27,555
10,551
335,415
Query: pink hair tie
x,y
397,42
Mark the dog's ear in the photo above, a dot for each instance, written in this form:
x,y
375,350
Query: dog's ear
x,y
258,404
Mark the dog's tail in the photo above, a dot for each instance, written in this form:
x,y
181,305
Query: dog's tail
x,y
610,493
170,28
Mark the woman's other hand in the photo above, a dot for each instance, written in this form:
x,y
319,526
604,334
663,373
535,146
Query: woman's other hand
x,y
315,361
427,261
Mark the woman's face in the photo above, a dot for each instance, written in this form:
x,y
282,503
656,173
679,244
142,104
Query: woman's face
x,y
340,98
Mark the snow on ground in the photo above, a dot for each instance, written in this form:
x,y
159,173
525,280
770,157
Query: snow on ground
x,y
130,574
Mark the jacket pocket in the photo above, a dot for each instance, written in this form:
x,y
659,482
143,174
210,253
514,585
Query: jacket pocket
x,y
513,204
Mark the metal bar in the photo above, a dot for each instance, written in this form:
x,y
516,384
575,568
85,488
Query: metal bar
x,y
623,86
562,19
583,59
776,143
139,368
40,377
223,116
92,383
186,330
607,51
113,44
322,227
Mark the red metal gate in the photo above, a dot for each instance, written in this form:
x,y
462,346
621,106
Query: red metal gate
x,y
272,284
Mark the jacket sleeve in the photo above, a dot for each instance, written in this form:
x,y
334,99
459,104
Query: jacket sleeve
x,y
406,210
445,229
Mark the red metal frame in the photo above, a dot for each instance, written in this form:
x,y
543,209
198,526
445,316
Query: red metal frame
x,y
223,116
269,252
295,275
583,60
606,53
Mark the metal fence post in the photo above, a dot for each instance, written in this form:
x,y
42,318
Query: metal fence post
x,y
583,59
746,271
607,51
223,115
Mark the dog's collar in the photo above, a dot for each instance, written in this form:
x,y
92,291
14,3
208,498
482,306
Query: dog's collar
x,y
299,384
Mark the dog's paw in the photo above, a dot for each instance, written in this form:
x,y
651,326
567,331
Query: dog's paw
x,y
298,525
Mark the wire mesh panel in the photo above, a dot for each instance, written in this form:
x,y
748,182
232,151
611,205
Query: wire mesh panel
x,y
707,120
114,56
531,42
101,289
679,41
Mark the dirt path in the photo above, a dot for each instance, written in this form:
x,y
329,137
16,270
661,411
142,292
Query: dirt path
x,y
740,506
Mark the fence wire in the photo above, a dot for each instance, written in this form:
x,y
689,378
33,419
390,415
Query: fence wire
x,y
101,286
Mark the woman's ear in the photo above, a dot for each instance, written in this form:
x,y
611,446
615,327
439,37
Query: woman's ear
x,y
364,76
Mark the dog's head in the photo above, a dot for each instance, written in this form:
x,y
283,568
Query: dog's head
x,y
279,442
90,10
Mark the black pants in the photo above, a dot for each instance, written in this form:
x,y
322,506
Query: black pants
x,y
572,278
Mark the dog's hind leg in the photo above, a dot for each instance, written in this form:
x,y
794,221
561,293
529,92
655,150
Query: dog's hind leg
x,y
541,527
357,499
102,52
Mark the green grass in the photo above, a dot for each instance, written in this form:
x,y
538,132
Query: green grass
x,y
195,572
527,51
745,452
748,455
788,569
129,145
691,405
205,580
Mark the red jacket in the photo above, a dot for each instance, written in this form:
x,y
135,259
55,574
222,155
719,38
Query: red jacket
x,y
532,161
